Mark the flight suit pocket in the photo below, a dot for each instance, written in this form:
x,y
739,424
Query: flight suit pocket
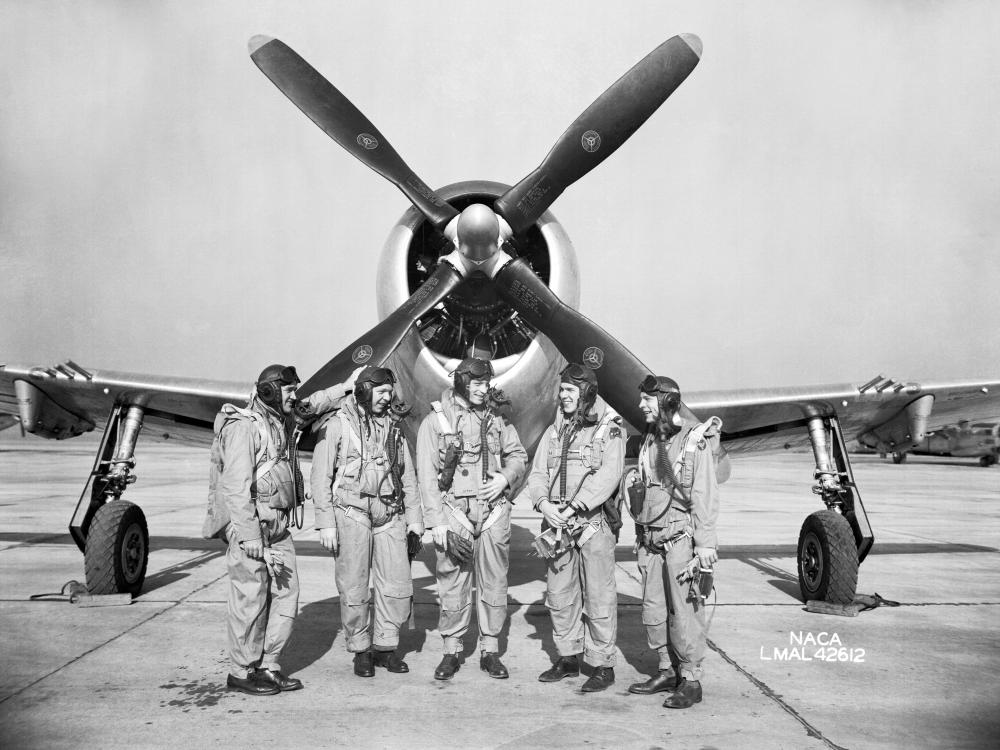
x,y
276,488
451,600
560,599
495,598
466,483
357,595
398,589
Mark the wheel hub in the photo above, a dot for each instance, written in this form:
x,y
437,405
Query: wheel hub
x,y
811,563
133,552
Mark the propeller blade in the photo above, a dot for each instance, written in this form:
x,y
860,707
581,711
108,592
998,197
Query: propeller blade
x,y
375,346
601,129
338,118
577,338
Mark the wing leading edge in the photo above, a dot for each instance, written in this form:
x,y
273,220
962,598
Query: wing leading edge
x,y
768,419
68,400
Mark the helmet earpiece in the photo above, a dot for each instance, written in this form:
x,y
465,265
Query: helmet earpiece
x,y
270,382
269,393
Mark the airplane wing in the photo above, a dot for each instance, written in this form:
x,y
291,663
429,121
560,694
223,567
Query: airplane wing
x,y
68,400
881,414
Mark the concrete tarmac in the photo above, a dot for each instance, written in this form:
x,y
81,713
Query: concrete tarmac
x,y
152,674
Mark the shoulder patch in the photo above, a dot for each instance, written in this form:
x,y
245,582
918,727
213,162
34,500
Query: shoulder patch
x,y
615,432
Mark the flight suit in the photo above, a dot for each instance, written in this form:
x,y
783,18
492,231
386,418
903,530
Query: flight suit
x,y
352,488
581,577
488,524
670,532
261,606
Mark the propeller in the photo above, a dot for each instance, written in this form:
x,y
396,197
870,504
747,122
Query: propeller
x,y
596,134
577,338
375,346
601,129
341,120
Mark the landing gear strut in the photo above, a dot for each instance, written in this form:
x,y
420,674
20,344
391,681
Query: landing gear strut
x,y
832,542
112,532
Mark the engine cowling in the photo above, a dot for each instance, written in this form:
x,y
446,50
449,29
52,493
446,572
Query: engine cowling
x,y
474,315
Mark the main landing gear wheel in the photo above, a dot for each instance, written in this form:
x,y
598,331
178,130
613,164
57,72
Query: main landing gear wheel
x,y
987,461
828,559
117,549
898,457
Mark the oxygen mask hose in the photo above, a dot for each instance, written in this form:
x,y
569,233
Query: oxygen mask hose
x,y
299,508
484,454
563,459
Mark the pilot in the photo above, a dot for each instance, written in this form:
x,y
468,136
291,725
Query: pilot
x,y
366,502
469,460
253,491
577,468
674,498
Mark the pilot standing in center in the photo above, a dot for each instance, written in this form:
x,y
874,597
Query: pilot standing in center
x,y
577,468
359,463
469,458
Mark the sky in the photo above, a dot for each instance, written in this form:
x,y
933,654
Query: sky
x,y
818,203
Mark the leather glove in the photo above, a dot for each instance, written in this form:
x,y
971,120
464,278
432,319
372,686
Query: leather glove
x,y
413,545
459,549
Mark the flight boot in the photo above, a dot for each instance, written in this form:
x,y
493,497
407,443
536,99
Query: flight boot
x,y
279,680
565,666
364,664
447,668
490,663
662,681
687,693
390,661
251,685
601,679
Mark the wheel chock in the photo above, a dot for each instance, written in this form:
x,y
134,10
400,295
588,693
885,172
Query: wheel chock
x,y
76,593
829,608
102,600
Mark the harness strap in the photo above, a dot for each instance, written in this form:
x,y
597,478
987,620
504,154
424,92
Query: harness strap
x,y
495,514
264,443
443,422
462,519
354,440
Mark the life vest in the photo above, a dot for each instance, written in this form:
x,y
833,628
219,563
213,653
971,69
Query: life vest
x,y
362,466
660,496
584,456
469,472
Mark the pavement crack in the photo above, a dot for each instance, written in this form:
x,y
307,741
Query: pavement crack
x,y
112,639
769,693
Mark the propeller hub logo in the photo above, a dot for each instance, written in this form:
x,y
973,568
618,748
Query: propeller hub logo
x,y
591,141
362,354
593,357
367,141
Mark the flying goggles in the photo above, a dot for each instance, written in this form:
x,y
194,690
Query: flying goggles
x,y
476,369
653,385
283,375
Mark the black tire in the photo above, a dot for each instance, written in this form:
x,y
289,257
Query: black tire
x,y
899,457
987,461
117,549
828,559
